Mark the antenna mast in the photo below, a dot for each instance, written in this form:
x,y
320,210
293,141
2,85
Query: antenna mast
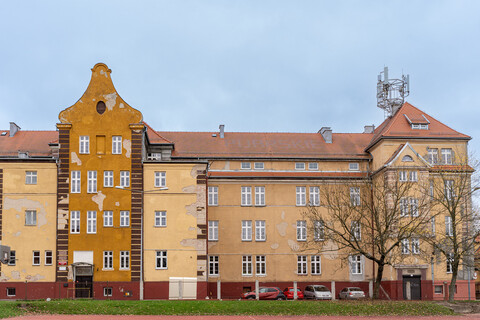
x,y
391,93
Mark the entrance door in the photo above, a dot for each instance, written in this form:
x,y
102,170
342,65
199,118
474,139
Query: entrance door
x,y
83,287
412,289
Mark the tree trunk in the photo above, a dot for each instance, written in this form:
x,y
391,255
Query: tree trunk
x,y
451,288
378,279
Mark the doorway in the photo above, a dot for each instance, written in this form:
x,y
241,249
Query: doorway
x,y
412,289
83,286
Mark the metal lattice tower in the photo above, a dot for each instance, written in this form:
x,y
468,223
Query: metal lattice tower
x,y
391,93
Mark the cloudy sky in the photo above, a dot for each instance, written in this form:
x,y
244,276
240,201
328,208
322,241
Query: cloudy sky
x,y
287,66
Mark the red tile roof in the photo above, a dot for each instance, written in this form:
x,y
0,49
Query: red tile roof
x,y
154,137
33,142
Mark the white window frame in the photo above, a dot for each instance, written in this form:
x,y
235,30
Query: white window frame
x,y
30,217
107,291
319,230
403,176
36,256
84,145
75,222
13,256
432,155
258,166
108,179
405,246
316,265
108,218
212,230
413,176
356,230
449,261
356,266
413,206
300,166
124,179
404,208
353,166
107,260
213,269
91,222
246,230
313,166
161,218
48,256
245,166
432,221
301,230
213,196
116,144
314,195
260,196
355,196
447,156
247,266
301,196
415,246
260,265
75,184
124,260
449,189
160,179
246,196
161,260
260,230
302,267
124,218
92,182
448,226
30,177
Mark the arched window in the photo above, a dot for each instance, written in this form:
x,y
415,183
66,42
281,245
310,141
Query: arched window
x,y
407,159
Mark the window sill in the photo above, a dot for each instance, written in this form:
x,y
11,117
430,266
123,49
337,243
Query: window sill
x,y
247,275
161,268
261,275
260,205
213,240
261,240
246,205
159,226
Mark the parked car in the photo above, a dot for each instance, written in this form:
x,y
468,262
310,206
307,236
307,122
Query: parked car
x,y
351,293
289,293
265,293
318,292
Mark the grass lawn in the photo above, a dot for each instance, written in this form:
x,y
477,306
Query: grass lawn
x,y
214,307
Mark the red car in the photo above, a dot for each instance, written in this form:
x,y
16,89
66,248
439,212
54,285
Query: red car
x,y
265,293
288,292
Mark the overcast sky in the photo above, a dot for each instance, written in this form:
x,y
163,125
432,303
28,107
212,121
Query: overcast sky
x,y
287,66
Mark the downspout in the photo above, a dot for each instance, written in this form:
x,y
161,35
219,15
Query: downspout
x,y
373,234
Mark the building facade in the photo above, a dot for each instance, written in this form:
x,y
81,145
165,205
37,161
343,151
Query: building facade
x,y
107,207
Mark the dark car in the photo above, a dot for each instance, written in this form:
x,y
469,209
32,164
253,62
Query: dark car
x,y
289,293
265,293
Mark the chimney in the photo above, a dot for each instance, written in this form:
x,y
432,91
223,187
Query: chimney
x,y
222,131
13,129
326,133
369,129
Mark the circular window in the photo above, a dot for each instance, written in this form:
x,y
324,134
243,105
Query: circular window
x,y
101,107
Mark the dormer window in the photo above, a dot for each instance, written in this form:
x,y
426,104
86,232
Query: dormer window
x,y
420,126
418,122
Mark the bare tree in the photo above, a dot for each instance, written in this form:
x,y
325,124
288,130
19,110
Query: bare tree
x,y
370,217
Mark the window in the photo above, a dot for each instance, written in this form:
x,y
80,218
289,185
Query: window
x,y
439,289
30,217
403,176
11,292
448,226
449,262
431,191
301,230
117,145
415,246
160,179
75,222
353,166
356,231
124,179
356,264
31,177
407,158
247,230
160,218
75,184
260,266
124,260
413,176
108,179
319,230
405,246
124,218
48,258
447,156
404,207
301,196
259,196
213,196
246,265
316,264
302,265
355,196
312,166
154,156
213,230
161,260
245,166
92,182
91,221
84,145
449,190
107,291
432,155
107,260
414,207
36,258
258,165
12,260
260,234
432,220
246,196
314,196
108,218
213,265
300,166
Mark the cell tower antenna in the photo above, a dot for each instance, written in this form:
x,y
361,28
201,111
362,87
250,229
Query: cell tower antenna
x,y
391,93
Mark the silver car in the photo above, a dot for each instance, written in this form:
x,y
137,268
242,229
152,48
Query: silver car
x,y
351,293
317,292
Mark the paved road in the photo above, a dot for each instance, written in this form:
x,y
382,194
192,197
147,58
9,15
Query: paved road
x,y
98,317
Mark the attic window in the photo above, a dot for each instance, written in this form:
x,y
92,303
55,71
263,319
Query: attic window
x,y
101,107
407,159
419,126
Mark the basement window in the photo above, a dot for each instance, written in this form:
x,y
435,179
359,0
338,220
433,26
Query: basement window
x,y
11,292
107,291
438,289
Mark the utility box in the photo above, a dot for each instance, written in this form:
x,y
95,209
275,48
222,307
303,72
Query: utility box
x,y
4,254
